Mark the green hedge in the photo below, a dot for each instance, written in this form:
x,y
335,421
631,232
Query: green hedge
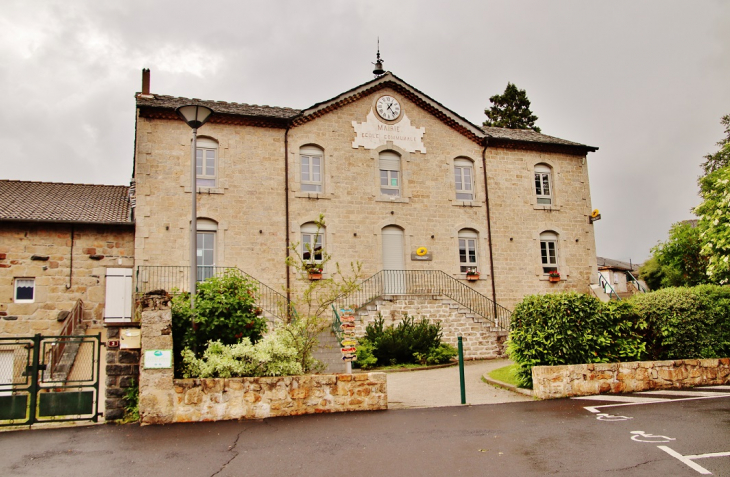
x,y
571,328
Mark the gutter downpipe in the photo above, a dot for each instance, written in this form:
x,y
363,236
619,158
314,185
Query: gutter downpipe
x,y
489,224
71,267
286,214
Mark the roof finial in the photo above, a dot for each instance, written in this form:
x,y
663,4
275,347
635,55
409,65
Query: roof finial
x,y
378,63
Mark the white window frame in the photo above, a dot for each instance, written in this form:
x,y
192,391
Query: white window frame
x,y
308,156
209,228
24,282
204,148
549,252
312,235
543,184
389,165
464,179
468,242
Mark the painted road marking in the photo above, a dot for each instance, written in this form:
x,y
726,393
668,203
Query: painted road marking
x,y
689,459
622,398
677,392
611,417
637,435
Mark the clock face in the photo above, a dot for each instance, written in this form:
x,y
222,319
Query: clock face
x,y
388,108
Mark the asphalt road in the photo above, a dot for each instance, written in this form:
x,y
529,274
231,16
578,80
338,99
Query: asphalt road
x,y
559,437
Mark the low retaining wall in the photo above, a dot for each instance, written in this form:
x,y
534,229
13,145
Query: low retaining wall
x,y
163,399
551,382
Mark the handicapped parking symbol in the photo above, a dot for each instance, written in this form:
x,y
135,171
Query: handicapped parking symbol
x,y
649,437
610,417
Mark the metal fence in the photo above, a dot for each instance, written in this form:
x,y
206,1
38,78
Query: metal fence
x,y
174,280
427,282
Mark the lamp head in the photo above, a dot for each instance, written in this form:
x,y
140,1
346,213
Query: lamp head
x,y
194,115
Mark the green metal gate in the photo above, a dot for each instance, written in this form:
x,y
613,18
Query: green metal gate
x,y
49,379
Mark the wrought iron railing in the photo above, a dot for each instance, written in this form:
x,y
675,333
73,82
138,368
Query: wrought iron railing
x,y
427,282
70,328
604,283
639,287
174,280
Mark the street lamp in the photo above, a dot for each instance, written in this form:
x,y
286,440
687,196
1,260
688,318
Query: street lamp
x,y
195,116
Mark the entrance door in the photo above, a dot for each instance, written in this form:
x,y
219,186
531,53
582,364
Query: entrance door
x,y
393,260
118,306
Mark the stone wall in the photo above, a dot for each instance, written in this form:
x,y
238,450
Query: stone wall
x,y
122,371
163,399
57,284
551,382
480,339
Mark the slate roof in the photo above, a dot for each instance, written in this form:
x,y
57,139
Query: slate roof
x,y
222,107
528,135
58,202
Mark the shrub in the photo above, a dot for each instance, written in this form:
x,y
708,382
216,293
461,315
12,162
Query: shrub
x,y
225,311
572,328
441,354
275,355
686,323
365,357
401,344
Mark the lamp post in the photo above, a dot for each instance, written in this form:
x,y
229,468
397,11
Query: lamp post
x,y
195,116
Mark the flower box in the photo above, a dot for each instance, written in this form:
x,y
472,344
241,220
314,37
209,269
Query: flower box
x,y
315,275
472,277
554,276
554,279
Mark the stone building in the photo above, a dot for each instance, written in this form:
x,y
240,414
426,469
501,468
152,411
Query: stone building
x,y
60,243
403,182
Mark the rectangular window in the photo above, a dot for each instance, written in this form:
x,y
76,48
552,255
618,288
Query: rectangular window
x,y
24,290
206,255
389,183
542,188
312,244
311,173
463,182
467,254
549,256
205,166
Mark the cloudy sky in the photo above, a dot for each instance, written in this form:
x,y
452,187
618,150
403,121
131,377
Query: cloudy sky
x,y
647,82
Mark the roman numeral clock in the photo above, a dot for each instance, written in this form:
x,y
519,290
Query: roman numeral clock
x,y
388,108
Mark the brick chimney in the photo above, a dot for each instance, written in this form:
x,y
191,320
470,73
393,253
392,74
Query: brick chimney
x,y
146,81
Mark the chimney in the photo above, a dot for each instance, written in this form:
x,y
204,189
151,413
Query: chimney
x,y
145,81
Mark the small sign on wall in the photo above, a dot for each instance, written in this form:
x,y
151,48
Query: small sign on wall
x,y
158,359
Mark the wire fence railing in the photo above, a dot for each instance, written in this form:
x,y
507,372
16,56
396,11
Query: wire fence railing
x,y
427,282
174,280
604,283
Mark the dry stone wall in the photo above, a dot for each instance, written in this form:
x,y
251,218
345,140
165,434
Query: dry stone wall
x,y
551,382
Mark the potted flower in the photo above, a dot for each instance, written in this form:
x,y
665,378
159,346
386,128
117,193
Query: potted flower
x,y
472,274
554,276
314,271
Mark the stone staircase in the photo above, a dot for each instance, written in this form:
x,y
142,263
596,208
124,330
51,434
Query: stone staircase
x,y
328,352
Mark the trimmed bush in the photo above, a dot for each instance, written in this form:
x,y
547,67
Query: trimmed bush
x,y
409,342
685,323
572,328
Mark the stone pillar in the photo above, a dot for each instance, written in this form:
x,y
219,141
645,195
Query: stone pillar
x,y
156,390
122,371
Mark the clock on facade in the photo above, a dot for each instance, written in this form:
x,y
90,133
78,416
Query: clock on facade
x,y
388,108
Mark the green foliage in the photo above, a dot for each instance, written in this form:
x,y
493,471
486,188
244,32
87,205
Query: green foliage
x,y
714,213
511,110
677,262
507,374
225,311
409,342
685,323
131,403
365,357
721,158
443,353
572,328
274,355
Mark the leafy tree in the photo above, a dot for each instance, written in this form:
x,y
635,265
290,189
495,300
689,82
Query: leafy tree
x,y
677,262
511,110
721,158
714,213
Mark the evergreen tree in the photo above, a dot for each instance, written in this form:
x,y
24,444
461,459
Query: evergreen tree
x,y
721,158
511,110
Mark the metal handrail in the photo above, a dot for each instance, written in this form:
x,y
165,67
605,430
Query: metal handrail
x,y
174,280
605,283
69,329
636,283
426,282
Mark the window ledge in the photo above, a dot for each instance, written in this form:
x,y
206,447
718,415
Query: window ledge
x,y
466,203
311,195
400,200
206,190
546,207
545,278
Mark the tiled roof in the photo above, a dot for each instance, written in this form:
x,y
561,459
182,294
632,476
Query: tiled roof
x,y
616,264
222,107
57,202
528,135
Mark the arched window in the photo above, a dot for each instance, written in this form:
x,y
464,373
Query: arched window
x,y
312,243
549,252
389,163
543,184
311,159
468,254
464,178
206,162
206,248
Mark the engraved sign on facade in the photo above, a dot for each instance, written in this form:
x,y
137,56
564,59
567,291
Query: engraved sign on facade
x,y
373,133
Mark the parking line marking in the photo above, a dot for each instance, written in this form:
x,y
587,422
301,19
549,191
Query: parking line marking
x,y
594,409
686,460
624,399
678,392
711,454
